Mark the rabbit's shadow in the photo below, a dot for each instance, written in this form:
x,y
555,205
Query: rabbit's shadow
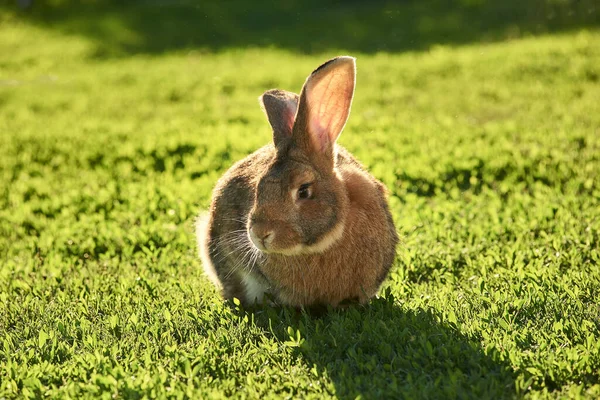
x,y
382,350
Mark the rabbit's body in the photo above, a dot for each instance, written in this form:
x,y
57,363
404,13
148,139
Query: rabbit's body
x,y
300,220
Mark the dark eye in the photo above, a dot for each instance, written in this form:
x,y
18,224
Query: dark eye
x,y
305,191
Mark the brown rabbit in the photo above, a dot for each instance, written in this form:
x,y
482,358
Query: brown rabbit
x,y
300,220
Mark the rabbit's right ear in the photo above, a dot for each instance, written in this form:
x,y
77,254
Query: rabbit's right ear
x,y
324,108
280,107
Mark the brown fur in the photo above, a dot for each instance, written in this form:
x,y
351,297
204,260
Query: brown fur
x,y
336,245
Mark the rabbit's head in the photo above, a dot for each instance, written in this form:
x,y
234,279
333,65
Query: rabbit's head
x,y
301,201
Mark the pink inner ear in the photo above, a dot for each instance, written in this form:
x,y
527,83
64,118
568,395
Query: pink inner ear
x,y
329,99
289,115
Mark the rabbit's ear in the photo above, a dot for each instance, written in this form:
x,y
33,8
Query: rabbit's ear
x,y
325,104
280,107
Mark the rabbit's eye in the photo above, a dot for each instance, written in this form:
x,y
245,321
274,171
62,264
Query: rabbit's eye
x,y
305,191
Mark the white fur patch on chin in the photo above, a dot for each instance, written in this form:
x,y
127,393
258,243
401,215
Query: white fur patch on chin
x,y
326,242
254,288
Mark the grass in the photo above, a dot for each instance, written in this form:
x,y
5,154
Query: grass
x,y
111,138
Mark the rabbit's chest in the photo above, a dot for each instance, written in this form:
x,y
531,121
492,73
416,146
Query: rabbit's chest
x,y
313,280
255,287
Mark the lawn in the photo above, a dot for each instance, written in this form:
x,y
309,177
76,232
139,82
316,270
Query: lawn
x,y
482,118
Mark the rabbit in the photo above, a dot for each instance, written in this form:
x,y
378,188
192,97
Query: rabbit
x,y
300,222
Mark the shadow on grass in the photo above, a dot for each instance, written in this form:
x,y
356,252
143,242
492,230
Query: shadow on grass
x,y
121,28
383,351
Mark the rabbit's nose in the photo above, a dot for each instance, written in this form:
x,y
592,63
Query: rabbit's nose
x,y
267,237
261,236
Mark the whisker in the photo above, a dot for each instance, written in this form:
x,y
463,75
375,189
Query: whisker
x,y
245,256
237,251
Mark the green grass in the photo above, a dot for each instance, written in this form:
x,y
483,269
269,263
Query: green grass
x,y
487,135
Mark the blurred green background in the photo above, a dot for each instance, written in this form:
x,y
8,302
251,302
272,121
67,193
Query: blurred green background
x,y
121,28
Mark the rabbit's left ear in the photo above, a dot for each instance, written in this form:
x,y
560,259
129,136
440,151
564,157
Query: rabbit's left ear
x,y
280,107
325,103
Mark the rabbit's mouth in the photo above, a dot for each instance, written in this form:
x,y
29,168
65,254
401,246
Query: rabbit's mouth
x,y
262,236
261,241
